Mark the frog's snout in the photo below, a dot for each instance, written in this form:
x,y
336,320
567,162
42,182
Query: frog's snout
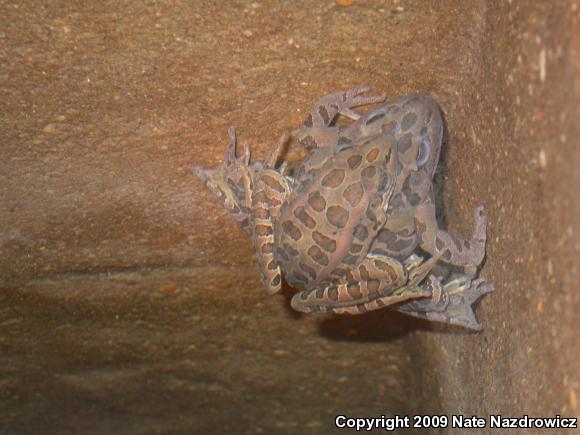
x,y
208,176
200,172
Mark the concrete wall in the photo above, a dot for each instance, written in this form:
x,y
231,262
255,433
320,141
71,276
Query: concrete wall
x,y
130,301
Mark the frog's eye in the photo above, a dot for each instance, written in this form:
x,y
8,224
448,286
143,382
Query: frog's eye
x,y
423,154
375,117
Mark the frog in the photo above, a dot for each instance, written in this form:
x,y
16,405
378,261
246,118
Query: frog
x,y
347,226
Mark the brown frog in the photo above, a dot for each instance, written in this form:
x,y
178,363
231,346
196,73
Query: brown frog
x,y
346,226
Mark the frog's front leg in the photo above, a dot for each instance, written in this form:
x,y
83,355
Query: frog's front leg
x,y
456,251
451,303
317,130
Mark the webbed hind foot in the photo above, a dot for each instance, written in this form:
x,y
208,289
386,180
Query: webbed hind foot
x,y
451,303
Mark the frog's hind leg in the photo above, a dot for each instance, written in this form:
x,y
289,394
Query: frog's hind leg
x,y
373,278
456,251
269,193
378,281
451,303
317,130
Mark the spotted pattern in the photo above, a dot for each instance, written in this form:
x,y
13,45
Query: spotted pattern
x,y
408,121
354,161
412,194
325,230
318,256
334,178
303,216
361,232
337,216
292,230
390,128
353,194
316,201
327,203
369,172
404,143
372,155
326,243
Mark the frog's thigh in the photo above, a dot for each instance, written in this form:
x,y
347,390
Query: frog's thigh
x,y
369,286
455,250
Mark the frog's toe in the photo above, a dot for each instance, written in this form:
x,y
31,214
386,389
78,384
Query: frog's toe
x,y
353,97
480,223
477,289
349,113
230,155
362,100
360,89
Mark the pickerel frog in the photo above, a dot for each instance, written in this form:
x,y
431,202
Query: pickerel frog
x,y
350,225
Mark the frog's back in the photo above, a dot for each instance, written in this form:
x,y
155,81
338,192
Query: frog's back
x,y
336,210
416,125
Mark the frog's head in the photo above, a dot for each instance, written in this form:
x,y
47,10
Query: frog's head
x,y
230,184
233,181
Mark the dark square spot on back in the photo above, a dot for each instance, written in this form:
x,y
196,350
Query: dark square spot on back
x,y
404,143
408,121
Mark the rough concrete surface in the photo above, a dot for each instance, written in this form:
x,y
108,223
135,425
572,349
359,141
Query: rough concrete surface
x,y
130,302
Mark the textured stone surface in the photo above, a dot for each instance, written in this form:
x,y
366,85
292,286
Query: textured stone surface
x,y
130,302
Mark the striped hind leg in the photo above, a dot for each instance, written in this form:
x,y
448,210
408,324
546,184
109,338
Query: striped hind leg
x,y
378,281
270,191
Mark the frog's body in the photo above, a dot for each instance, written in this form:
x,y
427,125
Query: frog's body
x,y
347,226
331,217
